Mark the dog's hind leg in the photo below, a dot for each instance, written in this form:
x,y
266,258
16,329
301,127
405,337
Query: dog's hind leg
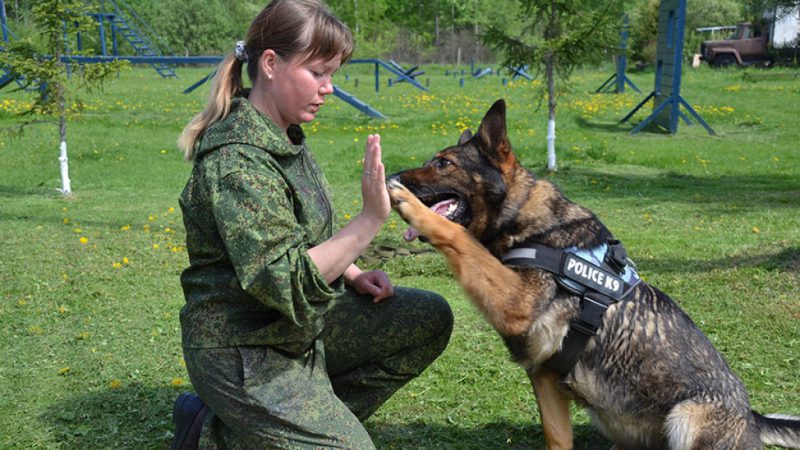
x,y
699,425
553,408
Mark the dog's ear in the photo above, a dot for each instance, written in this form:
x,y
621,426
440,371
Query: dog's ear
x,y
465,136
492,132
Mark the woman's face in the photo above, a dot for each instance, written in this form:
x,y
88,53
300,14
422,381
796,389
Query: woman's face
x,y
297,88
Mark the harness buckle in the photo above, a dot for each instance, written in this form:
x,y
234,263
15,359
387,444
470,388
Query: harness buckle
x,y
617,256
590,317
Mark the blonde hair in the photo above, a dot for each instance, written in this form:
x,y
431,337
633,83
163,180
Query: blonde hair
x,y
291,28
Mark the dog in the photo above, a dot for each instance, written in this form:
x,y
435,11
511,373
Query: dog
x,y
562,293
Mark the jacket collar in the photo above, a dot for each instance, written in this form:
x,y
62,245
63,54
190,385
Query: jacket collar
x,y
248,126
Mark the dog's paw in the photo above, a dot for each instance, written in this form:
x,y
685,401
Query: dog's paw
x,y
410,208
397,192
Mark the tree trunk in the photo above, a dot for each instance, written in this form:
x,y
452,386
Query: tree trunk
x,y
550,63
66,187
551,118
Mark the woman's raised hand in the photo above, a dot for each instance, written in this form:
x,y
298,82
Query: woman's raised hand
x,y
373,182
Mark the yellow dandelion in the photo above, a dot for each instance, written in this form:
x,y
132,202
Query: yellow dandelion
x,y
125,228
115,384
756,230
63,371
116,265
125,260
84,240
177,382
156,245
66,220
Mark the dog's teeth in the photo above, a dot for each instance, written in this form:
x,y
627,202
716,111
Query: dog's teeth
x,y
451,209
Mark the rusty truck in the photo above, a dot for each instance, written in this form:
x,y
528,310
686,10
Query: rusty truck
x,y
776,39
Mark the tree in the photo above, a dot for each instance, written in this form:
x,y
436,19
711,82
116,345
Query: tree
x,y
47,68
554,37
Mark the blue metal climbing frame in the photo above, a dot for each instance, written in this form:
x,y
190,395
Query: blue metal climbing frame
x,y
122,20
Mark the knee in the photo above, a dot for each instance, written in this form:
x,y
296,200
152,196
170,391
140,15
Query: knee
x,y
434,319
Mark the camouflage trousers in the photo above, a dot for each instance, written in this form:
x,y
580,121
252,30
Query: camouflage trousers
x,y
261,398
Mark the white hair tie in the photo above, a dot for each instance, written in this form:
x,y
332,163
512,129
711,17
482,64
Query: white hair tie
x,y
240,51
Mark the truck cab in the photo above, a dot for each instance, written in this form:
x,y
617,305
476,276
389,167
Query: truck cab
x,y
747,45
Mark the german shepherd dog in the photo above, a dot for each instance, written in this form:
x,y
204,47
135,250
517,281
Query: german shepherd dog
x,y
648,376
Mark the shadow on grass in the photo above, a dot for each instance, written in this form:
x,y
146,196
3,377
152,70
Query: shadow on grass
x,y
721,193
139,417
497,435
131,417
786,260
618,126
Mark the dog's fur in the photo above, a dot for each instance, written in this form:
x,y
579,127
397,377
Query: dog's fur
x,y
650,379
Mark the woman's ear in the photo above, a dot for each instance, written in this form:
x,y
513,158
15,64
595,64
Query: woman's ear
x,y
267,63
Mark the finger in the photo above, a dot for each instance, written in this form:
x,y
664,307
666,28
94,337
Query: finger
x,y
377,151
369,152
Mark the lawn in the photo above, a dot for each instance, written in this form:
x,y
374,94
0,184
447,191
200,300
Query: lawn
x,y
89,333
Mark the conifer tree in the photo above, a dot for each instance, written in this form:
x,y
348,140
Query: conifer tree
x,y
47,68
554,37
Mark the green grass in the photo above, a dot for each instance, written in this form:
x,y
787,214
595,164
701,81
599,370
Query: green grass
x,y
89,333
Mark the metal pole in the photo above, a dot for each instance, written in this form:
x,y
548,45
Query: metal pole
x,y
3,23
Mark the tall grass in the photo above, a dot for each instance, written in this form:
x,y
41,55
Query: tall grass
x,y
89,333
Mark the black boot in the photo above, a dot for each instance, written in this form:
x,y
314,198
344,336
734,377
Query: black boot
x,y
187,415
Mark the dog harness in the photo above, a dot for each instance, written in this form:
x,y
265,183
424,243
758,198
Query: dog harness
x,y
602,277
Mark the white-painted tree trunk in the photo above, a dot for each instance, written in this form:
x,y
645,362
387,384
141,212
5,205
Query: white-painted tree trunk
x,y
66,187
551,145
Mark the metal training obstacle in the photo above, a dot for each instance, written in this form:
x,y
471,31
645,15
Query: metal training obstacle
x,y
122,20
666,94
621,62
337,91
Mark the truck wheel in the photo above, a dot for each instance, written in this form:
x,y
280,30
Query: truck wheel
x,y
724,60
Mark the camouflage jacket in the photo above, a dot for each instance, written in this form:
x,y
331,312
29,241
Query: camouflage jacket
x,y
253,206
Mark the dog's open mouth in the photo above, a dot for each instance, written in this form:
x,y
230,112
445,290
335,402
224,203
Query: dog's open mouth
x,y
451,208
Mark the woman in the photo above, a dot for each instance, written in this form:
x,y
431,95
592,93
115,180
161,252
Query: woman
x,y
287,342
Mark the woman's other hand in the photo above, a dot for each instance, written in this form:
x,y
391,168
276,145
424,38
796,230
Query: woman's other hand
x,y
375,283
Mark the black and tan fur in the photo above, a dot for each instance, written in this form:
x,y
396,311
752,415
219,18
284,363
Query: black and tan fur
x,y
650,379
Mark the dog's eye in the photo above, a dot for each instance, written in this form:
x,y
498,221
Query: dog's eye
x,y
441,163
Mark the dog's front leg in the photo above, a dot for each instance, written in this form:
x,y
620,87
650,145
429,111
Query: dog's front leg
x,y
495,289
553,409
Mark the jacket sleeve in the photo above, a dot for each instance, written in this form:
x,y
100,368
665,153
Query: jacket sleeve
x,y
266,245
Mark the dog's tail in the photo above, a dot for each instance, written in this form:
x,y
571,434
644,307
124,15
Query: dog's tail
x,y
778,429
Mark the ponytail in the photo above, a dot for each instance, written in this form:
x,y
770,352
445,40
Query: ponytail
x,y
227,83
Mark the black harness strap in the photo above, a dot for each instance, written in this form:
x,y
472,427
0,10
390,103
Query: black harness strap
x,y
602,287
581,329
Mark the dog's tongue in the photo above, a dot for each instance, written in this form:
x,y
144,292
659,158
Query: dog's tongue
x,y
439,208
